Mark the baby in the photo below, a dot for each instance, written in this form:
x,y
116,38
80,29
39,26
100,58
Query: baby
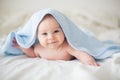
x,y
53,44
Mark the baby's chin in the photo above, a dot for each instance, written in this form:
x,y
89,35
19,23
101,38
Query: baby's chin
x,y
53,46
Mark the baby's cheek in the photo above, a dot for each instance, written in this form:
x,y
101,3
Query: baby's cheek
x,y
44,44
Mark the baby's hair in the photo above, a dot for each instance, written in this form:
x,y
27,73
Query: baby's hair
x,y
47,15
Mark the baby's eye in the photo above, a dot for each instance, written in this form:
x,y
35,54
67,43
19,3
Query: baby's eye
x,y
44,33
56,31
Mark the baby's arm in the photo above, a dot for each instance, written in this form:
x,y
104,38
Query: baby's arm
x,y
84,57
28,51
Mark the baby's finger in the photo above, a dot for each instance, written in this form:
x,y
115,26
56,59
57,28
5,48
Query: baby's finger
x,y
96,64
14,40
37,55
15,45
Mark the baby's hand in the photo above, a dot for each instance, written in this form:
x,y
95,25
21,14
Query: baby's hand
x,y
88,59
15,44
82,56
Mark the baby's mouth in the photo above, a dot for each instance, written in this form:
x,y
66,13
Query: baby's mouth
x,y
53,42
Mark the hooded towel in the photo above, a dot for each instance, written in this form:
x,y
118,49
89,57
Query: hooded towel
x,y
76,38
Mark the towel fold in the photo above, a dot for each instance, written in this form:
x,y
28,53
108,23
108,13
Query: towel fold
x,y
77,38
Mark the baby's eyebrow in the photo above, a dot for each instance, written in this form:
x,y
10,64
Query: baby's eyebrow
x,y
58,27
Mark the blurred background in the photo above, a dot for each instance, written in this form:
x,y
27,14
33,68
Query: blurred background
x,y
102,17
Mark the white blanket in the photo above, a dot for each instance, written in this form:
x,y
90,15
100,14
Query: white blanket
x,y
24,68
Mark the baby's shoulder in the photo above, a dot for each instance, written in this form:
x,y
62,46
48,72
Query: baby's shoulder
x,y
68,48
37,47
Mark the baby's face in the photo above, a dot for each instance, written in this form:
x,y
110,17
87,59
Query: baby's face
x,y
50,34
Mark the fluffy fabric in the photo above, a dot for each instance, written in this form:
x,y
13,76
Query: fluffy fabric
x,y
24,68
78,39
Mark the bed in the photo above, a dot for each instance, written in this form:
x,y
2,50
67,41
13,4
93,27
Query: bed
x,y
24,68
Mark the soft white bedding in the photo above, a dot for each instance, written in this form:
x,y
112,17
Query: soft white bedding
x,y
24,68
100,16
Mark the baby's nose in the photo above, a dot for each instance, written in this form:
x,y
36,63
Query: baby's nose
x,y
50,36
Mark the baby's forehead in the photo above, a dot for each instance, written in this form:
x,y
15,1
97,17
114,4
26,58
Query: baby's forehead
x,y
49,19
49,29
49,22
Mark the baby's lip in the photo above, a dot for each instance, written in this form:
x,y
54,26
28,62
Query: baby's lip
x,y
52,42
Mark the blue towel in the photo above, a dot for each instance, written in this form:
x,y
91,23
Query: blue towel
x,y
77,38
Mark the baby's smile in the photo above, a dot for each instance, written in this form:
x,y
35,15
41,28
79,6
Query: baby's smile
x,y
53,43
